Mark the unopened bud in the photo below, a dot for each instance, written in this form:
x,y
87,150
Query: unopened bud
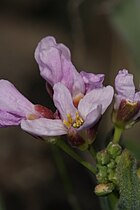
x,y
101,179
103,157
123,117
114,149
111,164
112,175
102,171
117,159
104,189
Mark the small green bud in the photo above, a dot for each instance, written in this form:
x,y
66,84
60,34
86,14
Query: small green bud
x,y
112,176
101,179
114,149
103,157
104,189
112,164
102,171
117,160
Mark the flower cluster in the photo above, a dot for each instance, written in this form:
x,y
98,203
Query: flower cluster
x,y
80,99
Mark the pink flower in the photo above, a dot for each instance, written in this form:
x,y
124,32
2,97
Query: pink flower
x,y
80,98
73,121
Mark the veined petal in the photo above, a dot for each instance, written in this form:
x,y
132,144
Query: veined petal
x,y
92,80
55,65
44,127
63,101
67,70
54,62
12,101
78,84
51,65
92,118
8,119
44,44
124,84
64,50
118,99
94,98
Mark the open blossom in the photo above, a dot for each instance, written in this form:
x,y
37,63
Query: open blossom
x,y
127,100
14,107
55,66
72,120
80,98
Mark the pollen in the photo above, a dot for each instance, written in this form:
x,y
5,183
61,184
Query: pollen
x,y
76,123
69,121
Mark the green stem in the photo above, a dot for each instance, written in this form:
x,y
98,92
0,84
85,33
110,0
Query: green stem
x,y
61,144
92,151
108,202
65,178
117,134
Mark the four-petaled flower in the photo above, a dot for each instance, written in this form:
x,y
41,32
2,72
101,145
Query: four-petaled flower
x,y
72,120
127,100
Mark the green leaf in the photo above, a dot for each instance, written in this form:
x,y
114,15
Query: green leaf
x,y
128,182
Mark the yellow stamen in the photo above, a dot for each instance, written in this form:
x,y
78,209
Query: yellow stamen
x,y
75,123
67,124
78,121
70,120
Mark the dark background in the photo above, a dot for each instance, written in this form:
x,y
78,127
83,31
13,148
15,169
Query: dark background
x,y
103,36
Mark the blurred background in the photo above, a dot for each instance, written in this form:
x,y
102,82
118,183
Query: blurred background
x,y
103,36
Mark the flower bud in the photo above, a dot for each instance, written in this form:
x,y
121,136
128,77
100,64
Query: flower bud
x,y
111,164
112,175
114,149
102,171
117,160
101,179
123,117
104,189
103,157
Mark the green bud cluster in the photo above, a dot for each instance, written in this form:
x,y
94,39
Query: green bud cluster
x,y
107,161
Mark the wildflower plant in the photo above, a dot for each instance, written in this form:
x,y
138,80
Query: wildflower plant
x,y
80,100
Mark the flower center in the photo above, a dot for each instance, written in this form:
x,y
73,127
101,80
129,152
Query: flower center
x,y
76,123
